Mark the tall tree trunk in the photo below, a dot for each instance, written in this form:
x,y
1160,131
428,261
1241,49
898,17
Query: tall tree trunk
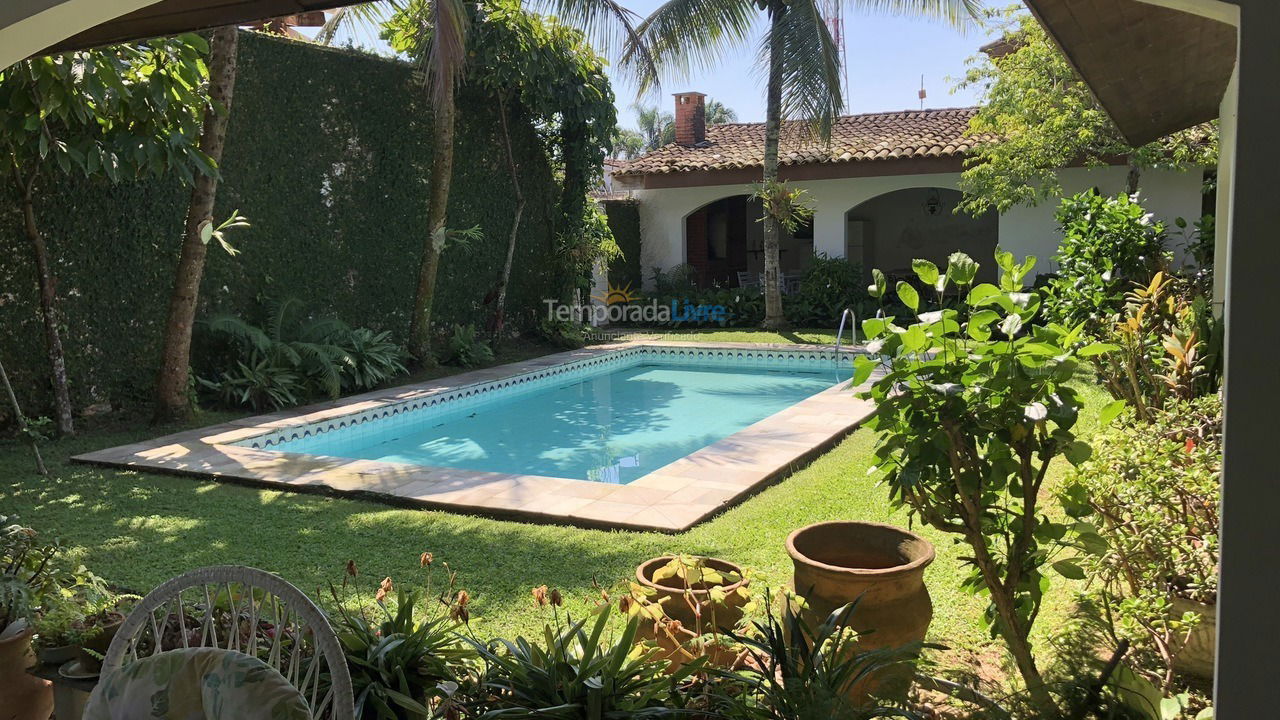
x,y
437,228
172,402
504,280
48,307
773,316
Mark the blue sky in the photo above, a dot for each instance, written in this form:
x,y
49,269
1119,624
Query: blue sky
x,y
887,55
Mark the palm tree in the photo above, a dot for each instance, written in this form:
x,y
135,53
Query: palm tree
x,y
718,113
800,60
657,127
628,144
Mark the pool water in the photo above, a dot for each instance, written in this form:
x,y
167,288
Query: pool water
x,y
613,428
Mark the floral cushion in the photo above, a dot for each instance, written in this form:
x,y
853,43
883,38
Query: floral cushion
x,y
196,684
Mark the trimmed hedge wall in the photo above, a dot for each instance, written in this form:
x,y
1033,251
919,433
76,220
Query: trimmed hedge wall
x,y
624,222
327,155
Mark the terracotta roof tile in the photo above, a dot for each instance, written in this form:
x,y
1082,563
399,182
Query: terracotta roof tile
x,y
854,138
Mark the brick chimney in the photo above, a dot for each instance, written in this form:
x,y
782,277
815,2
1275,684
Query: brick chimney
x,y
691,118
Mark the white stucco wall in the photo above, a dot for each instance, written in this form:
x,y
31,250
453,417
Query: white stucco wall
x,y
1023,231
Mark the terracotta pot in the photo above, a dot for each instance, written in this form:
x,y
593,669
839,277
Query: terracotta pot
x,y
22,696
880,566
99,644
56,655
670,592
1196,656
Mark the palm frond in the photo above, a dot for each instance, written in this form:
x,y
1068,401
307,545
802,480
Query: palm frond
x,y
686,36
444,30
367,16
607,22
241,332
811,72
959,13
278,316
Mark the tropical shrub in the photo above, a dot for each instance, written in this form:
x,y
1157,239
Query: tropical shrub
x,y
1168,347
466,349
293,357
973,408
1108,244
402,665
27,573
566,334
827,288
1151,490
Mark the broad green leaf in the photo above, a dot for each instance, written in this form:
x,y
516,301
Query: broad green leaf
x,y
1078,452
914,339
981,292
961,268
863,366
1096,349
908,295
926,271
1068,569
1111,411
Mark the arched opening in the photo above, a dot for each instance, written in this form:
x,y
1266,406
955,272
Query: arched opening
x,y
724,243
890,230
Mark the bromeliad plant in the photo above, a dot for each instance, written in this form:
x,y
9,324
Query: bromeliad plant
x,y
578,671
402,664
974,406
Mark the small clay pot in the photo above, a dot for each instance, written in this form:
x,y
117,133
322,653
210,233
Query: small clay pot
x,y
879,566
56,655
99,643
22,696
726,614
670,592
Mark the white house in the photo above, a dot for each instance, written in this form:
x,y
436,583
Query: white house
x,y
883,192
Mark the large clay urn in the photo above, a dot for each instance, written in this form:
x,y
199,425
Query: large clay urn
x,y
22,696
880,566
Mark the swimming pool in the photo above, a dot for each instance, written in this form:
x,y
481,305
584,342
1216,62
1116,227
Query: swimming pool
x,y
654,436
613,427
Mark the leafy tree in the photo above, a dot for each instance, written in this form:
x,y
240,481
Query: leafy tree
x,y
172,399
543,72
717,113
973,407
658,128
1037,116
117,112
434,32
800,60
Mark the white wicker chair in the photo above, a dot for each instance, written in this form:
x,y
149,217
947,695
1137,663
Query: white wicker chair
x,y
197,609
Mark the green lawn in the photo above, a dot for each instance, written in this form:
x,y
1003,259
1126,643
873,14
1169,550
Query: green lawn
x,y
137,529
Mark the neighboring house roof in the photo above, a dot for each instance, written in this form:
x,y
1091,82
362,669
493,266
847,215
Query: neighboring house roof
x,y
1155,70
910,134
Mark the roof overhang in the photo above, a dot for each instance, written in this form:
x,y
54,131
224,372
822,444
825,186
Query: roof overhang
x,y
169,17
1155,69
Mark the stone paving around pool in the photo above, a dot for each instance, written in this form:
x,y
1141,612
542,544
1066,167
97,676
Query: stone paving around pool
x,y
671,499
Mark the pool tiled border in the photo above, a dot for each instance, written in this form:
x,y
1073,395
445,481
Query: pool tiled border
x,y
669,499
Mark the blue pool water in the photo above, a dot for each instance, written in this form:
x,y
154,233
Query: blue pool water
x,y
613,427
